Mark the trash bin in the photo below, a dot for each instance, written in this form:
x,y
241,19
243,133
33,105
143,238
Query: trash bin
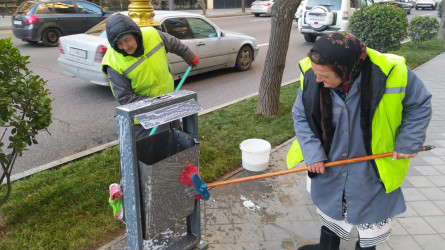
x,y
154,200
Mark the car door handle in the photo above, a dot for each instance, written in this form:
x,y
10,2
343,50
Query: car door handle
x,y
200,44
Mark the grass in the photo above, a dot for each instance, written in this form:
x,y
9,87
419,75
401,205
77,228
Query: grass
x,y
67,208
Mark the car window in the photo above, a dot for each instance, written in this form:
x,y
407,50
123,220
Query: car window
x,y
98,29
64,7
87,8
25,7
177,27
44,9
364,3
330,4
201,28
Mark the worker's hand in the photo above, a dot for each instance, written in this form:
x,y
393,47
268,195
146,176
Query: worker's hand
x,y
194,61
397,155
317,167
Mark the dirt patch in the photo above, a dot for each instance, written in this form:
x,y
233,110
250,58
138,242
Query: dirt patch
x,y
3,231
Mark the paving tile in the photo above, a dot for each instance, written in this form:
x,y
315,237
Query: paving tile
x,y
425,208
438,151
433,193
439,143
216,246
430,242
278,231
416,225
220,234
437,222
217,216
426,170
248,232
298,213
440,168
306,230
434,160
285,244
419,181
412,194
440,204
397,229
250,246
403,242
437,180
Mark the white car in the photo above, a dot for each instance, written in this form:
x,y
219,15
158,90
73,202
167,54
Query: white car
x,y
299,12
81,55
422,4
262,7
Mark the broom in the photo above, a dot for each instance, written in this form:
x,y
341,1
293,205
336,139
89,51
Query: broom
x,y
197,189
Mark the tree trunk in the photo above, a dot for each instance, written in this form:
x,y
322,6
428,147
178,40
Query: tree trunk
x,y
269,93
441,35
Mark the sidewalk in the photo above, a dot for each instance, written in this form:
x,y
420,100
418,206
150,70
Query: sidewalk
x,y
277,212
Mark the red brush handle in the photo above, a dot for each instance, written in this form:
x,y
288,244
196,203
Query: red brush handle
x,y
304,168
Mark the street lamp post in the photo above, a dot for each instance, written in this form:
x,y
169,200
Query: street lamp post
x,y
141,11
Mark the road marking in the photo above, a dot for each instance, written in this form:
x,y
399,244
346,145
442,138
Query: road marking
x,y
259,20
264,44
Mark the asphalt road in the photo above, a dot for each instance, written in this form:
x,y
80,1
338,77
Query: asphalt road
x,y
83,113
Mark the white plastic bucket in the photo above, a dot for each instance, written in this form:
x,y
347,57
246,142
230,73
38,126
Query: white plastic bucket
x,y
255,154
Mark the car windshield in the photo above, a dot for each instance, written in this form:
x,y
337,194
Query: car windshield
x,y
331,4
25,7
98,30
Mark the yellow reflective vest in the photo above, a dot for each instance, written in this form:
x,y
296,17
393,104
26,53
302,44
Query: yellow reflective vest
x,y
149,73
386,119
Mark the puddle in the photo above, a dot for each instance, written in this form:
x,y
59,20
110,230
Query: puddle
x,y
249,204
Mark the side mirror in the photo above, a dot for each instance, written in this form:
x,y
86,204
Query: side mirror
x,y
221,33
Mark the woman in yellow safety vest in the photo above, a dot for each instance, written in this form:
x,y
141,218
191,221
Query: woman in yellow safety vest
x,y
136,62
354,101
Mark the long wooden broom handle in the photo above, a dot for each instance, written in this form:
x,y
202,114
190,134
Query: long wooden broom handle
x,y
304,168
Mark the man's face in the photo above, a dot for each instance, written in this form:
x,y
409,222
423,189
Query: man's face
x,y
326,75
127,43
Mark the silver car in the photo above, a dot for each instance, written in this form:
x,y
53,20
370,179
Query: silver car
x,y
81,55
262,7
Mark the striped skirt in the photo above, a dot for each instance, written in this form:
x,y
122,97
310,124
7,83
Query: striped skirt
x,y
370,234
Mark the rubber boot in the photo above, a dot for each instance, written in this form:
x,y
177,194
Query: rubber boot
x,y
328,241
357,247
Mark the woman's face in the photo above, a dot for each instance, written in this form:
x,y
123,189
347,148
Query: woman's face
x,y
326,75
127,43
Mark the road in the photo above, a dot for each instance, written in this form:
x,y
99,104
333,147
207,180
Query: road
x,y
83,114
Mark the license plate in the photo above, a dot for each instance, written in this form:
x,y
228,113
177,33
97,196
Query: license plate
x,y
316,18
17,22
78,53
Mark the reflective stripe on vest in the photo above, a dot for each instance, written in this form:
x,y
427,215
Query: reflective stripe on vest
x,y
385,121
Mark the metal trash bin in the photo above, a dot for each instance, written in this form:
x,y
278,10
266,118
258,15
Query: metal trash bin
x,y
154,200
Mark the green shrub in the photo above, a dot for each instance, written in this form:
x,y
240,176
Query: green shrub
x,y
380,27
423,28
25,109
440,9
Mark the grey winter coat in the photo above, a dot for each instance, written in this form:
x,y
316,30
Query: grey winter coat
x,y
365,195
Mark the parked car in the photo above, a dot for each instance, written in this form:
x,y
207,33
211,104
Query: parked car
x,y
405,6
46,21
422,4
262,7
321,17
81,55
299,11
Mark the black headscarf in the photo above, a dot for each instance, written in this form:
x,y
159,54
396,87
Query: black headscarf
x,y
119,25
343,51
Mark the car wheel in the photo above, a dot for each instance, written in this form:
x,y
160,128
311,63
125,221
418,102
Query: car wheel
x,y
409,12
417,8
244,58
51,36
256,14
435,6
310,38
